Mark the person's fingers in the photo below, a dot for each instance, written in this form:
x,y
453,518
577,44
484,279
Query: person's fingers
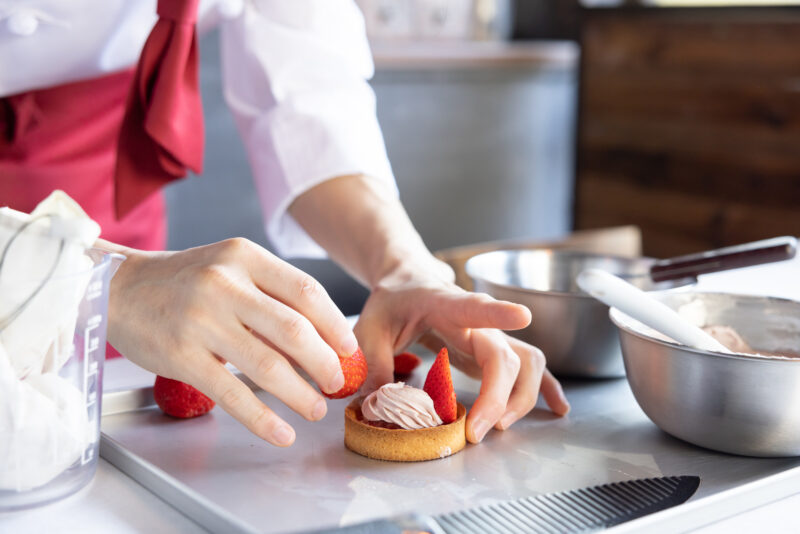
x,y
533,377
553,394
378,351
463,309
292,334
241,403
304,294
500,365
526,389
271,372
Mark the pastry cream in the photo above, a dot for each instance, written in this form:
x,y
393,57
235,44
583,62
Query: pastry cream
x,y
406,406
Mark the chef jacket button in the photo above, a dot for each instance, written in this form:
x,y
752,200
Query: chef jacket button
x,y
23,24
230,9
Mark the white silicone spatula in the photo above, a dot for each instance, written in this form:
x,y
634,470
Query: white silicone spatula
x,y
631,300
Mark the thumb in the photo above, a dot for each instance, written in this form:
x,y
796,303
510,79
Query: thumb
x,y
378,351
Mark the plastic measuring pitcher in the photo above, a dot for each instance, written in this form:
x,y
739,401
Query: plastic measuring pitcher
x,y
50,406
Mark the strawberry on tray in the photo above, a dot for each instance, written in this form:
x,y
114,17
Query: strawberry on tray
x,y
180,400
404,365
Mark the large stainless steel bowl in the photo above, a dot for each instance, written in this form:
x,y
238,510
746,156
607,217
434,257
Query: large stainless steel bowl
x,y
572,329
736,404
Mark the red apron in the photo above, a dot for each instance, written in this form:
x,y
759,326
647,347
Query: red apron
x,y
65,137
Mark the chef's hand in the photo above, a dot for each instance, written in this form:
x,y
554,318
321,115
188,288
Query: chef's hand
x,y
424,305
364,227
182,314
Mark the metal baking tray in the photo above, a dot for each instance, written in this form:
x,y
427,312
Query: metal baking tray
x,y
227,480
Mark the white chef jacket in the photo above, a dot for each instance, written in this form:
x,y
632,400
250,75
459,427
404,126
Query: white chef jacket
x,y
294,74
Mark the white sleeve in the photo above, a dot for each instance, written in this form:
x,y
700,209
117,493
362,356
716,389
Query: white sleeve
x,y
295,76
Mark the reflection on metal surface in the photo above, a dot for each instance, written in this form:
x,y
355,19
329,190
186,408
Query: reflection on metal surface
x,y
127,400
378,498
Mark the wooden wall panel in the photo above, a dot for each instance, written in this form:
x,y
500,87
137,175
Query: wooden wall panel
x,y
690,125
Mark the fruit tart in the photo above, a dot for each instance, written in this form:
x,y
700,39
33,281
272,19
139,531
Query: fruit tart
x,y
405,424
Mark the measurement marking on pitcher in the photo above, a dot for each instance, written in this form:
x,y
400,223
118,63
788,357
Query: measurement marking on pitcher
x,y
90,369
95,290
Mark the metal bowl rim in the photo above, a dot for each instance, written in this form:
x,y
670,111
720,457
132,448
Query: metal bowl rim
x,y
530,291
563,252
711,354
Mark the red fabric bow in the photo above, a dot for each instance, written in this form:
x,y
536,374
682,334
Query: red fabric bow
x,y
162,131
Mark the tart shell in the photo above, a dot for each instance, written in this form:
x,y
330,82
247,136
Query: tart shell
x,y
400,445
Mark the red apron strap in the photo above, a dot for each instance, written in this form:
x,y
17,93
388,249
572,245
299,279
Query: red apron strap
x,y
162,132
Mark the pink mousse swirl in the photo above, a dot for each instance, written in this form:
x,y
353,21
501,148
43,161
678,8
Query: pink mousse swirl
x,y
406,406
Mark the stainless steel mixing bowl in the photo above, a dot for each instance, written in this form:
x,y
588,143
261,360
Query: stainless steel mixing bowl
x,y
572,329
735,404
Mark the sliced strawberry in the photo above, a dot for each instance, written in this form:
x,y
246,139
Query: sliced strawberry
x,y
439,385
354,368
404,364
180,400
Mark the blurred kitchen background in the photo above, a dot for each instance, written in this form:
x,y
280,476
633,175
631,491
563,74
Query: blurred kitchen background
x,y
528,119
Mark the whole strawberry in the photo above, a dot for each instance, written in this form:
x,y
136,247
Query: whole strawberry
x,y
180,400
404,364
354,368
439,385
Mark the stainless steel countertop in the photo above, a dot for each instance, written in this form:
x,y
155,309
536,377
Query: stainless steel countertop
x,y
318,482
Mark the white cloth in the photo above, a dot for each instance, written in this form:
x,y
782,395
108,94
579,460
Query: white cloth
x,y
295,74
43,419
56,274
44,425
